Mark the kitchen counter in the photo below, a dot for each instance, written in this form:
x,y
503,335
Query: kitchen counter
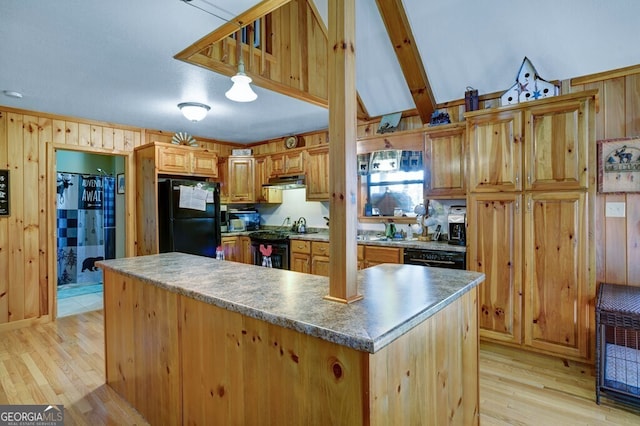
x,y
425,245
295,300
227,343
324,236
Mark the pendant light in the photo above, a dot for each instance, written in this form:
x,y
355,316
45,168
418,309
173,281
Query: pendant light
x,y
241,90
194,111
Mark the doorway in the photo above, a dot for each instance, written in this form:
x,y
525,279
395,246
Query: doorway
x,y
89,226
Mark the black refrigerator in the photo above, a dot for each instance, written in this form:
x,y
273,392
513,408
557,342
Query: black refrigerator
x,y
189,216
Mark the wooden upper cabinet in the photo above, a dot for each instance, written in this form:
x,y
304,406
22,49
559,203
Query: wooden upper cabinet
x,y
262,171
445,161
223,178
317,171
289,162
555,153
536,146
240,180
183,160
495,151
173,160
205,163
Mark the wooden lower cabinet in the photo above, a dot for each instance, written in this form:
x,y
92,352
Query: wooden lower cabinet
x,y
495,248
557,292
533,248
142,347
178,360
375,255
230,248
320,258
245,250
237,248
313,256
300,256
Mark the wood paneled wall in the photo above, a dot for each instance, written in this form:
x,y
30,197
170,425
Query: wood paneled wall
x,y
28,138
28,141
617,239
27,148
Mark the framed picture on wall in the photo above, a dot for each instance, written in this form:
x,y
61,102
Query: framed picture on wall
x,y
619,165
120,183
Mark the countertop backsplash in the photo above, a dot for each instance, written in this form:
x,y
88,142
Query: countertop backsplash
x,y
294,206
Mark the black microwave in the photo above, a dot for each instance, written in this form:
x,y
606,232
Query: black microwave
x,y
243,220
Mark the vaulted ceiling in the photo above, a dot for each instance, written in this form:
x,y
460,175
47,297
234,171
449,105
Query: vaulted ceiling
x,y
114,60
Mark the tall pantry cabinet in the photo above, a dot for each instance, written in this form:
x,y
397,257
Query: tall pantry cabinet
x,y
532,181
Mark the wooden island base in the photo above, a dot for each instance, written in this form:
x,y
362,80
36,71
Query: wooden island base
x,y
179,360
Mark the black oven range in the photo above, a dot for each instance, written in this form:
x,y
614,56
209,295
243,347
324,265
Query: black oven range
x,y
273,245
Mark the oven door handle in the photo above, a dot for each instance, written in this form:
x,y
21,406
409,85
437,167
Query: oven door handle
x,y
442,262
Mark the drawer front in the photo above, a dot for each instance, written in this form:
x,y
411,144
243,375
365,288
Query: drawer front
x,y
320,248
300,246
383,254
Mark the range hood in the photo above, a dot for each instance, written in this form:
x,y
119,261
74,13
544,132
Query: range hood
x,y
286,182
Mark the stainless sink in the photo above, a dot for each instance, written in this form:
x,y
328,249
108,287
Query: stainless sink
x,y
371,238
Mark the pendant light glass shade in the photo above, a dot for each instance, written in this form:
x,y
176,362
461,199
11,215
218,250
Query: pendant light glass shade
x,y
241,90
194,111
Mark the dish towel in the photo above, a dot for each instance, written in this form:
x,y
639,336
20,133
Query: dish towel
x,y
266,255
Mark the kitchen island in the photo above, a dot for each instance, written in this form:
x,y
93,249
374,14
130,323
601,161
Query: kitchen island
x,y
194,340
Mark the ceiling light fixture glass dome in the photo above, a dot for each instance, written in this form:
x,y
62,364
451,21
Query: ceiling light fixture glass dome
x,y
241,90
194,111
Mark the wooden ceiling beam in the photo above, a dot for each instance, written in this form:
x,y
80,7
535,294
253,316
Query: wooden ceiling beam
x,y
397,25
233,25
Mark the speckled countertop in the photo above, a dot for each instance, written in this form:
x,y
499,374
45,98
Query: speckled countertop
x,y
324,236
396,297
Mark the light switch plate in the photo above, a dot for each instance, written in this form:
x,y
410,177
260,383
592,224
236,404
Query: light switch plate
x,y
615,210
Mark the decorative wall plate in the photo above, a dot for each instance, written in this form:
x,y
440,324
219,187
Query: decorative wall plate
x,y
291,142
183,138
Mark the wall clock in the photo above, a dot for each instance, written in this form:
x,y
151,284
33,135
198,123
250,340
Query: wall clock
x,y
290,142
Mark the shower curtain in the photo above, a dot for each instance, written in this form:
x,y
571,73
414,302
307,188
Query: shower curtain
x,y
85,225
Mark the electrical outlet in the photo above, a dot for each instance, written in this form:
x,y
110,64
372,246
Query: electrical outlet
x,y
615,210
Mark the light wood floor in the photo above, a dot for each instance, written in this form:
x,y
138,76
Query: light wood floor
x,y
63,363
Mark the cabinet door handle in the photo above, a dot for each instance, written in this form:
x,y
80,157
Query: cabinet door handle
x,y
517,180
517,207
529,205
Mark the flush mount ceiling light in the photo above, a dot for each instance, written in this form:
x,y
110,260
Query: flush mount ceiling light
x,y
194,111
241,90
12,94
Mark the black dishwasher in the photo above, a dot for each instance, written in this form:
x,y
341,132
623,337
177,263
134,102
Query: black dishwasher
x,y
436,258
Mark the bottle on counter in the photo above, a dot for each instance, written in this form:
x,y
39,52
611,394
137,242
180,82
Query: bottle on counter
x,y
368,209
390,229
